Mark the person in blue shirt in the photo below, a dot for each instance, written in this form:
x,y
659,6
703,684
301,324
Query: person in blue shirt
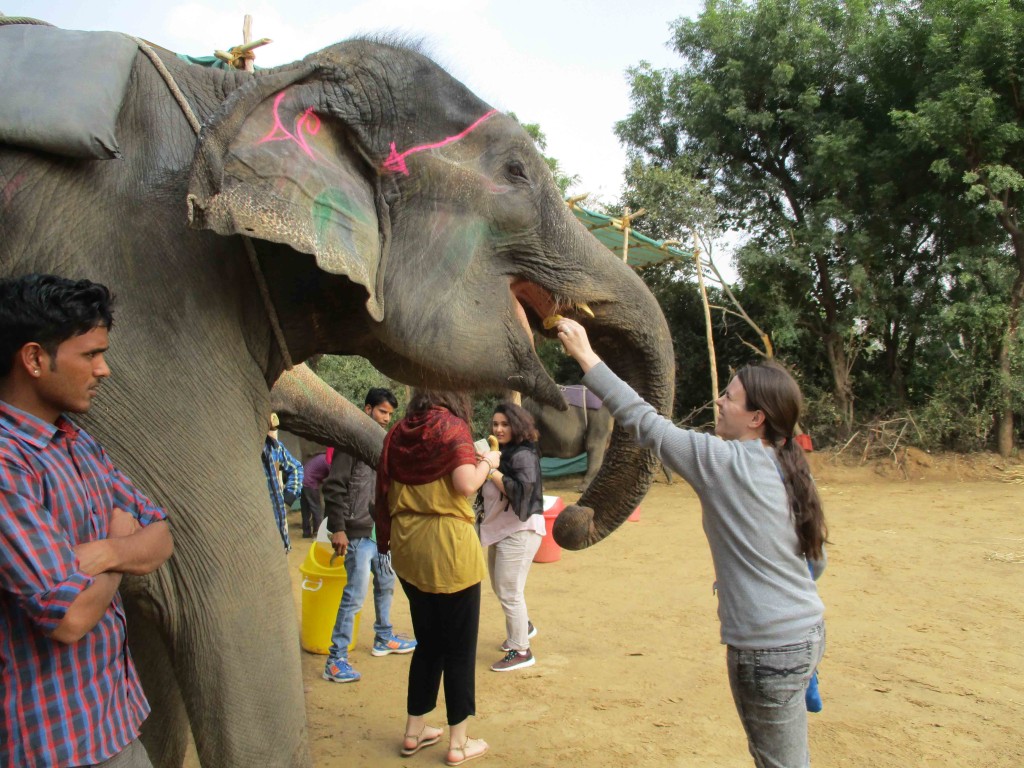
x,y
284,479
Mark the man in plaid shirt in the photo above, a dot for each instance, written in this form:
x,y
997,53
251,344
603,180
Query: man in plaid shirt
x,y
284,479
70,526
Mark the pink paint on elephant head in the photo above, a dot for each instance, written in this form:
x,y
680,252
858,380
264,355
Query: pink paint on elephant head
x,y
308,121
396,162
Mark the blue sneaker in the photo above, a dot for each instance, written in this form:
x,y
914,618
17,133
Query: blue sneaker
x,y
393,644
340,671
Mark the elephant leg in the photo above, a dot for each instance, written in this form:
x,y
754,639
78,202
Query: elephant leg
x,y
237,645
165,733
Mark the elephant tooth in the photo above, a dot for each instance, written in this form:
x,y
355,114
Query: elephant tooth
x,y
586,310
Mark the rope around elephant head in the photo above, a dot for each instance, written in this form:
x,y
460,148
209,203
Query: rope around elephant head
x,y
250,249
193,121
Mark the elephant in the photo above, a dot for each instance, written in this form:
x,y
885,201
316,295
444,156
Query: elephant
x,y
360,201
578,429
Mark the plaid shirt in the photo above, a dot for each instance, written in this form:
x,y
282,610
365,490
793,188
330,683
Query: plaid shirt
x,y
60,704
279,464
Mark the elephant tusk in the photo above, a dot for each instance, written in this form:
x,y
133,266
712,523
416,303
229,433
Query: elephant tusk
x,y
552,320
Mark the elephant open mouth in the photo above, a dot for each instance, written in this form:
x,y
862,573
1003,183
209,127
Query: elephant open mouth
x,y
534,304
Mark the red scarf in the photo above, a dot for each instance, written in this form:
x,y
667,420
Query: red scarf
x,y
420,449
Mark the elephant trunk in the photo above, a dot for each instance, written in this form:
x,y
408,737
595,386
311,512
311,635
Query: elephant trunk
x,y
307,407
630,333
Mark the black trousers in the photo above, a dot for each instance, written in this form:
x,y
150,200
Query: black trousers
x,y
446,628
312,510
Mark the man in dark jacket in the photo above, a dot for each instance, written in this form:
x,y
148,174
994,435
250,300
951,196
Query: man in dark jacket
x,y
348,505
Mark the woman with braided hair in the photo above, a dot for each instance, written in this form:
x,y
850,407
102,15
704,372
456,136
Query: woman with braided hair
x,y
764,522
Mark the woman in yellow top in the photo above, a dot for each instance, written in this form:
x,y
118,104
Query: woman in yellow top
x,y
428,468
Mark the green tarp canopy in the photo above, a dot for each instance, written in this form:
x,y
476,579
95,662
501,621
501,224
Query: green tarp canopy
x,y
642,250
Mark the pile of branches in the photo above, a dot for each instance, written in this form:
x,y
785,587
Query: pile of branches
x,y
884,439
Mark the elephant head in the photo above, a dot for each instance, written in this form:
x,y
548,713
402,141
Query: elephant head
x,y
367,176
407,189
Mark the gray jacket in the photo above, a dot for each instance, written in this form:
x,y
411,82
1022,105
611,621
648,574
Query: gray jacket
x,y
766,596
348,496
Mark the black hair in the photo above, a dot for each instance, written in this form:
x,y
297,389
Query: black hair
x,y
459,403
48,310
378,395
520,421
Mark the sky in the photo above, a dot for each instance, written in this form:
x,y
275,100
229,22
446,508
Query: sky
x,y
558,63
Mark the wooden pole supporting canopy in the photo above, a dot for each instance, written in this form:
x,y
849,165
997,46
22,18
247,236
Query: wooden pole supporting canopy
x,y
242,56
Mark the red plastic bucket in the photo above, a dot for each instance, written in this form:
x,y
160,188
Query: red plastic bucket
x,y
549,551
804,441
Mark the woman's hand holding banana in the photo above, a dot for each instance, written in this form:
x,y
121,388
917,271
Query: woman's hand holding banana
x,y
574,338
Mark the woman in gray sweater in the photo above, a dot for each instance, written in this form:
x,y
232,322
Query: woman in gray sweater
x,y
764,523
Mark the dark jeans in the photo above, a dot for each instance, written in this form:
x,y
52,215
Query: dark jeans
x,y
312,510
446,628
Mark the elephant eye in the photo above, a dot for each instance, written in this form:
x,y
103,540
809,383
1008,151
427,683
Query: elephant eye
x,y
516,171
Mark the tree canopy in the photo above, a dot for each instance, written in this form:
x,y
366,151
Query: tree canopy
x,y
870,151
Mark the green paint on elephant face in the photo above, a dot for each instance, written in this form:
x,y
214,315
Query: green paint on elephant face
x,y
334,213
453,242
462,245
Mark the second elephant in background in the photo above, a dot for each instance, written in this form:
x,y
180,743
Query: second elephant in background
x,y
585,427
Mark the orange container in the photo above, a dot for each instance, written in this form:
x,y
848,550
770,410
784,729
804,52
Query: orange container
x,y
635,516
549,551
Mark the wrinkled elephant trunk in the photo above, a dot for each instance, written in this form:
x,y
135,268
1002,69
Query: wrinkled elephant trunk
x,y
632,337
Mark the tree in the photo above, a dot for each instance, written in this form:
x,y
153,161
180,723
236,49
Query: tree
x,y
971,112
782,111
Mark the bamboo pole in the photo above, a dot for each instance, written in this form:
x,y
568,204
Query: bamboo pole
x,y
625,236
707,323
246,39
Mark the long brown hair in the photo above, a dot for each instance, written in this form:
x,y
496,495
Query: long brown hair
x,y
520,421
772,390
457,402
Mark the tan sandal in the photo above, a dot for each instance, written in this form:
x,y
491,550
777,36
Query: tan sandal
x,y
422,740
482,745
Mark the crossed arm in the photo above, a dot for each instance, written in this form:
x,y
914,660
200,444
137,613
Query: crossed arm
x,y
130,548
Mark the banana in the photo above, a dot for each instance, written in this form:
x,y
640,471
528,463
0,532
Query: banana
x,y
492,442
552,320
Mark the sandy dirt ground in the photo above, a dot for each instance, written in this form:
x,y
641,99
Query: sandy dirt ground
x,y
925,624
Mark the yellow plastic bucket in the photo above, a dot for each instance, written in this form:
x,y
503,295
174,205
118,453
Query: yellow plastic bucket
x,y
322,585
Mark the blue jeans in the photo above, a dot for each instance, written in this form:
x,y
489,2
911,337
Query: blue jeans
x,y
768,689
360,559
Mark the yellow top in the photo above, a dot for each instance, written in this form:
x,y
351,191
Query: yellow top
x,y
434,545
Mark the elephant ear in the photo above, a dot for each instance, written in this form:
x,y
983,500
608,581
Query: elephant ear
x,y
271,165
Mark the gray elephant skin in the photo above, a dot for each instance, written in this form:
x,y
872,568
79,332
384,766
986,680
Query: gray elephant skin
x,y
567,433
393,215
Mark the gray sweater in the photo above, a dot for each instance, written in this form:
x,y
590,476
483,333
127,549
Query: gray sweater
x,y
766,596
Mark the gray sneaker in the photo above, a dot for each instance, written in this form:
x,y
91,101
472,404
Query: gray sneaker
x,y
531,631
514,660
